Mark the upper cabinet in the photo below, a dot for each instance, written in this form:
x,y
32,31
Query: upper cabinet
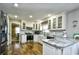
x,y
36,26
54,23
57,22
49,24
23,25
60,22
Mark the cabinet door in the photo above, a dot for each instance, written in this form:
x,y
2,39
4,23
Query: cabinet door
x,y
24,27
33,26
60,22
48,50
38,26
54,23
23,39
49,25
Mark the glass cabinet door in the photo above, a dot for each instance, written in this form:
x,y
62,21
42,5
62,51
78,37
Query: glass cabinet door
x,y
54,23
36,27
23,25
60,22
39,26
33,26
49,25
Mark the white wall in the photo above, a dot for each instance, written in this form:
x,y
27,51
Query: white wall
x,y
73,15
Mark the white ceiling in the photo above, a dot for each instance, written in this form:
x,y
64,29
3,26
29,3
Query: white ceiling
x,y
37,10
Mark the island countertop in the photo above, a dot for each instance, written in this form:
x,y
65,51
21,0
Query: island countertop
x,y
59,43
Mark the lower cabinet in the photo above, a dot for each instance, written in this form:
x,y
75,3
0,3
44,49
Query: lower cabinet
x,y
48,49
51,50
26,37
71,50
36,38
23,38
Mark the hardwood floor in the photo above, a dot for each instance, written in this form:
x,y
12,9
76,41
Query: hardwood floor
x,y
30,48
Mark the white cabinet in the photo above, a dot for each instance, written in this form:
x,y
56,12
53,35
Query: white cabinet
x,y
36,26
23,25
36,38
48,49
61,21
52,50
54,22
72,50
57,22
23,38
49,24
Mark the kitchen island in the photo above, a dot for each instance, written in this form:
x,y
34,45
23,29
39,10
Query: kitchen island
x,y
60,47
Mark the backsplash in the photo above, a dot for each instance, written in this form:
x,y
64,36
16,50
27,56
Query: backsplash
x,y
56,33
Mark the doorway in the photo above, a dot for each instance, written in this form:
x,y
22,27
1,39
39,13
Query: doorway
x,y
14,47
15,33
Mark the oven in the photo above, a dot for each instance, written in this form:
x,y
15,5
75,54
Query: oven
x,y
29,37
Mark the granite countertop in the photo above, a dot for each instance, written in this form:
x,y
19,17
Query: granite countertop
x,y
59,43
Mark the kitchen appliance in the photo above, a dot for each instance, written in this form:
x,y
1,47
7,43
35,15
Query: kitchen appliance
x,y
50,37
29,37
3,32
37,32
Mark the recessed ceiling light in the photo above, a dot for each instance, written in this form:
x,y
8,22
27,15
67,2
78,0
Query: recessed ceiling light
x,y
30,16
15,16
49,15
15,4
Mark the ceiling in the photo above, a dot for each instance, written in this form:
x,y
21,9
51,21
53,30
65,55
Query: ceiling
x,y
37,10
